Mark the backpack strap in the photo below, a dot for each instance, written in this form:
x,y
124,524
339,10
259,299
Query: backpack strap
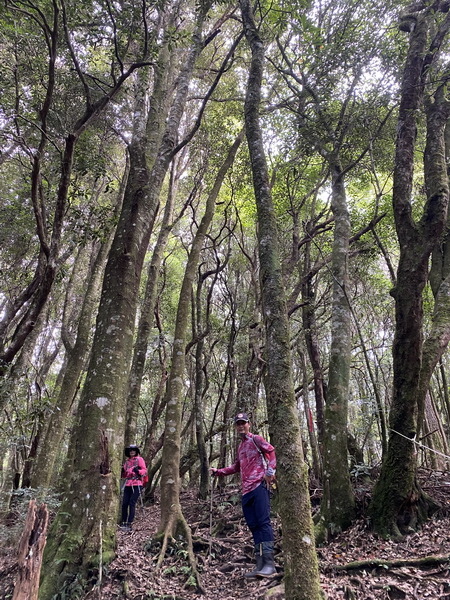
x,y
261,453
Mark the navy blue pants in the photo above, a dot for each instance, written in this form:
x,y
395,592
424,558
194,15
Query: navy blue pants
x,y
256,508
130,497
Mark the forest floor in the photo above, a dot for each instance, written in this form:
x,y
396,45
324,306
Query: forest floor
x,y
416,568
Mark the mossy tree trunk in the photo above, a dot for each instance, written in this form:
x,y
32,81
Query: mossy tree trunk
x,y
76,359
93,468
316,462
300,560
439,334
85,527
398,502
147,316
337,508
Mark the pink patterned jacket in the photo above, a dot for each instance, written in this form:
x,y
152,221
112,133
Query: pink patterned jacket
x,y
128,470
250,463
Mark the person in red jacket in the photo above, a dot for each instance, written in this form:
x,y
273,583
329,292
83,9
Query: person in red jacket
x,y
256,462
133,471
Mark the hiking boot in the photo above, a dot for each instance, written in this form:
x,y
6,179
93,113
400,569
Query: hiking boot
x,y
125,526
268,564
268,569
259,563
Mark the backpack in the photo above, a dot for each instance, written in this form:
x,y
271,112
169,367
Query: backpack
x,y
143,477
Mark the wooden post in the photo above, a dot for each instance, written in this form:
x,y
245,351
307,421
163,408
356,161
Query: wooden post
x,y
31,548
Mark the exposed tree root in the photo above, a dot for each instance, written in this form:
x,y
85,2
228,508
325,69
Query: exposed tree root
x,y
175,529
393,519
372,563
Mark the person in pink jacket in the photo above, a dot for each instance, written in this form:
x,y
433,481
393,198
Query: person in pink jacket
x,y
256,462
133,471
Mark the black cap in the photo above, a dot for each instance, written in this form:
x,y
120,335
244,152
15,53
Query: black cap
x,y
241,417
132,447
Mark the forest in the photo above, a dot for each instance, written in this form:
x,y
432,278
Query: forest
x,y
210,207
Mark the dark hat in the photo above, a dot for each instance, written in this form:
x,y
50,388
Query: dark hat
x,y
241,417
132,447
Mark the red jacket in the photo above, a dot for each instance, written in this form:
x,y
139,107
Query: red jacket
x,y
128,470
256,458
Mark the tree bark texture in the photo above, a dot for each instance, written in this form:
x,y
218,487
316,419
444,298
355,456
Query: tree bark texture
x,y
31,548
312,343
300,560
337,508
95,451
313,443
199,429
146,318
398,503
436,178
250,369
77,355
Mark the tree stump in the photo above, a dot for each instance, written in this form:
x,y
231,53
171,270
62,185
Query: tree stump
x,y
31,548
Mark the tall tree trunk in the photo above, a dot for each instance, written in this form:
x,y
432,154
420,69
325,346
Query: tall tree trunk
x,y
300,560
199,429
228,404
337,508
380,412
199,387
147,316
201,326
439,335
172,519
92,494
76,359
49,448
312,343
313,443
398,503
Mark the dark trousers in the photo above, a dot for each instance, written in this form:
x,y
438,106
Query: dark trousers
x,y
130,497
256,508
